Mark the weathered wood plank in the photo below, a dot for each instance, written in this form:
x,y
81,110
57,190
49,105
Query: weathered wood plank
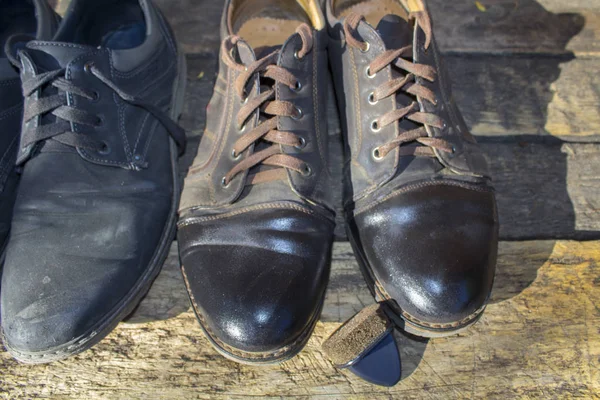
x,y
539,338
465,26
551,27
526,95
546,190
496,26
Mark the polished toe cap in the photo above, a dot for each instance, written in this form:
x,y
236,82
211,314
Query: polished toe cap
x,y
257,279
432,248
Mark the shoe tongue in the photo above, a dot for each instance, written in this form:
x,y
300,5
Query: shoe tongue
x,y
395,32
54,55
245,53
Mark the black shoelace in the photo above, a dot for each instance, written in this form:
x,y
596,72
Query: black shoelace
x,y
66,114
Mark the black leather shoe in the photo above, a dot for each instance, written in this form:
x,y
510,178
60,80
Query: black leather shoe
x,y
256,225
16,17
96,207
420,207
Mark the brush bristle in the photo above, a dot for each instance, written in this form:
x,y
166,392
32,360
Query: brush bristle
x,y
357,336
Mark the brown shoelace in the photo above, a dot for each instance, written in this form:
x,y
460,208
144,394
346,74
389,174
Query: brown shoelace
x,y
270,107
407,84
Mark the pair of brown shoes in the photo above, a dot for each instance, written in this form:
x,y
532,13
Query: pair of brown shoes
x,y
256,216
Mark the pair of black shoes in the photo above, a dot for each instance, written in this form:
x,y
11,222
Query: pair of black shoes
x,y
87,128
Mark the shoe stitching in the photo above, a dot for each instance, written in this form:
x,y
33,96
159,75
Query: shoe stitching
x,y
457,324
83,152
140,130
358,140
385,295
10,82
193,220
225,118
9,112
409,188
315,80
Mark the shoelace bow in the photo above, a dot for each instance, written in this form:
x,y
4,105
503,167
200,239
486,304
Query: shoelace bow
x,y
271,108
407,84
65,114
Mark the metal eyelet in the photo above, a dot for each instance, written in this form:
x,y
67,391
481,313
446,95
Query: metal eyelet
x,y
297,57
299,114
244,100
368,72
243,128
95,96
307,170
302,143
377,154
297,87
99,121
375,126
234,155
105,149
372,100
367,49
453,149
87,67
224,182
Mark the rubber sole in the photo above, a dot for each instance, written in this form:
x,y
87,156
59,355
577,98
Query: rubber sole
x,y
133,298
399,317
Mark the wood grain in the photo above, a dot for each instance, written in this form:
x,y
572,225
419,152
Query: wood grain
x,y
525,75
552,27
538,339
528,95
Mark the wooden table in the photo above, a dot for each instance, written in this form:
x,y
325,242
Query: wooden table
x,y
527,78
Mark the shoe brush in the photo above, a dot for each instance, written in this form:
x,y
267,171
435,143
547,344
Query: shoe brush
x,y
365,345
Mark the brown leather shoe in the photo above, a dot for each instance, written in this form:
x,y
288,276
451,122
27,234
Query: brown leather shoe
x,y
419,205
256,225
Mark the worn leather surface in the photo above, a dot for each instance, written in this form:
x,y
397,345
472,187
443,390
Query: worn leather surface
x,y
203,186
256,258
87,226
426,228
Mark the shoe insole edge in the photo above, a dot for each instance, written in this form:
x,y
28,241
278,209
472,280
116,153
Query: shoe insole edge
x,y
264,32
374,10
